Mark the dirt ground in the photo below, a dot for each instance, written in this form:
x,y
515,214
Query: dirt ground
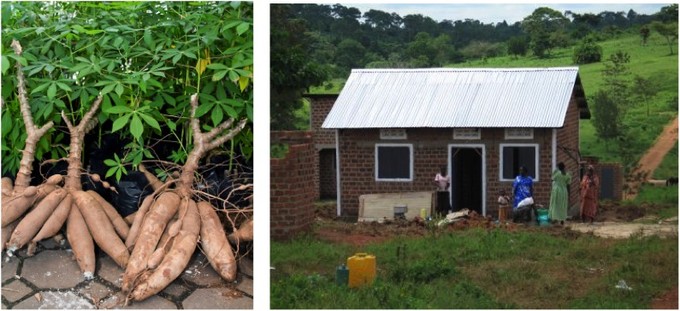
x,y
653,157
669,300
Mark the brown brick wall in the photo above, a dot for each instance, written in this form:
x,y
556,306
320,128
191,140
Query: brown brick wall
x,y
430,151
320,106
292,195
568,151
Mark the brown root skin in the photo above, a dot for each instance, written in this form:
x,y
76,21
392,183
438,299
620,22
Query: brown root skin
x,y
34,220
175,260
13,208
160,213
137,222
56,220
101,228
81,241
153,180
214,243
243,234
7,186
7,232
118,222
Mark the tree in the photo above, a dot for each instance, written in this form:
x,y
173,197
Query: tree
x,y
517,46
644,34
669,31
292,68
350,54
668,14
644,90
540,25
606,116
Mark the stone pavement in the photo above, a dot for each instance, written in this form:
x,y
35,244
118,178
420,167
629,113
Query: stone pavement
x,y
51,279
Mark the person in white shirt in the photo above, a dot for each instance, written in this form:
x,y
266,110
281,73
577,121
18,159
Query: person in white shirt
x,y
443,182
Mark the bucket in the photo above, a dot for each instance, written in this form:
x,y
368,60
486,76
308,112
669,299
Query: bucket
x,y
423,213
342,275
361,269
542,216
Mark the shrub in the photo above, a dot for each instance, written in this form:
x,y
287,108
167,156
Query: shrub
x,y
588,52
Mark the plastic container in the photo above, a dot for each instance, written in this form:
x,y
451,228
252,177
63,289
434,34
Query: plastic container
x,y
542,216
342,275
361,269
423,213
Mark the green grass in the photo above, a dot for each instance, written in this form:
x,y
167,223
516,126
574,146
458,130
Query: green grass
x,y
657,195
478,269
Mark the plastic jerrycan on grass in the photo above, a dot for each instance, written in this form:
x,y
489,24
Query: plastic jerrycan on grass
x,y
361,269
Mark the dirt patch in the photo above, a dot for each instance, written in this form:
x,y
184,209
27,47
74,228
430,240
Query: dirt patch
x,y
668,300
614,211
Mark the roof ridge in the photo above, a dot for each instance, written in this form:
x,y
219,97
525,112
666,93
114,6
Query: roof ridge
x,y
477,69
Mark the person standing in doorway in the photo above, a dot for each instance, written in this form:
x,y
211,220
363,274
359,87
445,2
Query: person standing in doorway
x,y
590,191
522,188
559,196
443,181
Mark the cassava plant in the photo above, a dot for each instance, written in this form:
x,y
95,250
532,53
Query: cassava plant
x,y
86,218
154,265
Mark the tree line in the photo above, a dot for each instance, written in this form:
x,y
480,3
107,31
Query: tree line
x,y
312,43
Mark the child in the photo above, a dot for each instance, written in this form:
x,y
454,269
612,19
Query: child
x,y
503,205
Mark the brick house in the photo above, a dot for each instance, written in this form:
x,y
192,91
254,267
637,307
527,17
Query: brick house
x,y
390,130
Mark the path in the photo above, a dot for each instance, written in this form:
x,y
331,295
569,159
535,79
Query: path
x,y
52,280
652,159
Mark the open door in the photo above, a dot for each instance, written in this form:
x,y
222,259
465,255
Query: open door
x,y
467,178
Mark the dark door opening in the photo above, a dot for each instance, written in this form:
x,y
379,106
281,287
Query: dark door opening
x,y
327,174
466,179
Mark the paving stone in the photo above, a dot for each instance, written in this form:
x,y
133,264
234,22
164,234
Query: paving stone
x,y
15,291
200,272
245,266
95,292
217,298
175,289
28,303
63,300
52,269
9,267
154,302
110,271
246,286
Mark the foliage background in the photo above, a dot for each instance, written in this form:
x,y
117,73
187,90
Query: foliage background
x,y
146,58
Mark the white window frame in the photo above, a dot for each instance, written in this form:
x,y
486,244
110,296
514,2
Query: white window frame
x,y
510,135
467,133
501,164
376,164
393,133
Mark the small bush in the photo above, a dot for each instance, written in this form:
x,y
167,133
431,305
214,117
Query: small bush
x,y
587,53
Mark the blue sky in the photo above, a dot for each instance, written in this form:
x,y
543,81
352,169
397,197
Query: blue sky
x,y
497,12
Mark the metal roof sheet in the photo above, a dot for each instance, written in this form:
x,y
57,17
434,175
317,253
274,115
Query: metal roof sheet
x,y
448,97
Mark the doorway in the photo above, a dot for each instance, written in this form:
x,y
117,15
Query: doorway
x,y
468,176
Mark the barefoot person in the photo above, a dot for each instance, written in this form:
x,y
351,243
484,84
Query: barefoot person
x,y
590,190
559,196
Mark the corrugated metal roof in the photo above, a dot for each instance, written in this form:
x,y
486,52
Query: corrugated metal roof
x,y
448,97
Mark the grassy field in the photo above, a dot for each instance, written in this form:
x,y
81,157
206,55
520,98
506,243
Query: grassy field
x,y
652,62
480,269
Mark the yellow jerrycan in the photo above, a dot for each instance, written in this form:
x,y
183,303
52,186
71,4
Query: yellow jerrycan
x,y
361,269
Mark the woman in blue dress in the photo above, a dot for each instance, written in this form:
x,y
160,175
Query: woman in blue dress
x,y
522,188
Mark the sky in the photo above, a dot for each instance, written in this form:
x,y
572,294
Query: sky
x,y
497,12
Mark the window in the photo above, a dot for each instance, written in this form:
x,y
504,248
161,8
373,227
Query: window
x,y
515,155
473,133
393,162
519,133
392,133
